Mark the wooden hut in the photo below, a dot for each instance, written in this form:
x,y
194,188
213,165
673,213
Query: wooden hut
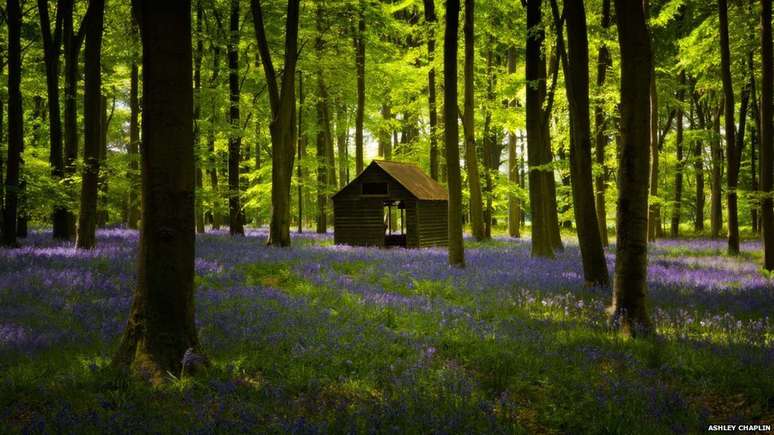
x,y
391,204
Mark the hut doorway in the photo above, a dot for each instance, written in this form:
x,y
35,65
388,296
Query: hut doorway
x,y
394,223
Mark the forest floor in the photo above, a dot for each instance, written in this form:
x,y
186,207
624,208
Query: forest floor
x,y
323,338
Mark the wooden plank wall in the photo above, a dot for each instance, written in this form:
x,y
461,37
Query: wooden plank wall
x,y
433,221
358,222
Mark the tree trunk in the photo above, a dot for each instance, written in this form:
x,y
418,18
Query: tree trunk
x,y
15,123
217,218
360,71
102,194
301,151
342,141
451,134
728,97
134,145
322,164
629,312
716,206
52,44
654,215
161,324
283,124
235,226
755,132
604,61
577,84
72,47
471,158
199,177
514,204
675,228
92,107
698,165
431,20
767,142
536,149
385,132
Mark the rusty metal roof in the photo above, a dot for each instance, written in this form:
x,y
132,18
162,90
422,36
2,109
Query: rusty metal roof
x,y
414,180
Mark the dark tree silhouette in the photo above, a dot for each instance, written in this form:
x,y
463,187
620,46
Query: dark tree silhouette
x,y
451,133
161,324
628,309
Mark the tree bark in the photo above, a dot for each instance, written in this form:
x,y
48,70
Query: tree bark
x,y
536,143
514,204
92,107
15,123
360,111
654,217
716,206
235,225
628,309
431,19
767,142
134,144
577,84
199,177
283,124
698,165
604,61
161,324
755,132
728,96
342,141
675,227
73,39
451,134
217,218
471,158
301,151
52,44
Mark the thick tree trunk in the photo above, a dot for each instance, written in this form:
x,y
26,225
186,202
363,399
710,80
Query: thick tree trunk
x,y
536,143
92,107
767,142
161,324
604,61
577,83
431,19
471,158
134,146
451,134
360,111
514,204
235,226
629,312
199,177
728,97
675,228
283,124
15,123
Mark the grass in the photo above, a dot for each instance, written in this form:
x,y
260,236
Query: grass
x,y
318,340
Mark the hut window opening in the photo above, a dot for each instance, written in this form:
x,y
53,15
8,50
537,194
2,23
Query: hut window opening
x,y
375,189
394,223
